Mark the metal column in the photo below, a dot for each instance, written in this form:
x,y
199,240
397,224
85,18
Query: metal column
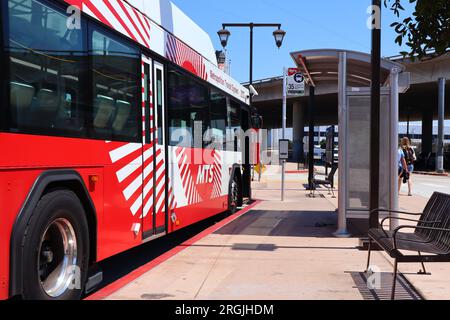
x,y
283,134
441,120
343,139
394,120
312,99
375,120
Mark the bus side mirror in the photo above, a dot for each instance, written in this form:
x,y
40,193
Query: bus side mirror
x,y
257,122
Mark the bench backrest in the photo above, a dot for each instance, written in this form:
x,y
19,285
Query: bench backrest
x,y
437,211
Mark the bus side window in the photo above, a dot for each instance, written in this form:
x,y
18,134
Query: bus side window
x,y
116,87
188,109
48,69
234,125
218,116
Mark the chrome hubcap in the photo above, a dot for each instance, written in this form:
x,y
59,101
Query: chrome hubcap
x,y
58,258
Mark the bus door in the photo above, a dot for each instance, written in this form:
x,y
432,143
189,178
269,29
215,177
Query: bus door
x,y
154,153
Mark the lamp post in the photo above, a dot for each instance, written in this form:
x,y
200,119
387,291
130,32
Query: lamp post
x,y
225,34
375,115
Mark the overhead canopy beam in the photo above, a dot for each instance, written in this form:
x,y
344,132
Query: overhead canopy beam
x,y
305,70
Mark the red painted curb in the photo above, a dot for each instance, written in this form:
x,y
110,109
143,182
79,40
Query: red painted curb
x,y
120,283
297,171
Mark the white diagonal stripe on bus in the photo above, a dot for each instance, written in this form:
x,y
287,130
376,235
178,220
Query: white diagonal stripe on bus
x,y
133,187
147,170
148,187
136,205
106,12
86,9
160,203
148,205
126,171
130,24
124,151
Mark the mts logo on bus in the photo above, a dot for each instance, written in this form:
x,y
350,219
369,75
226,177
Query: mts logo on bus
x,y
205,174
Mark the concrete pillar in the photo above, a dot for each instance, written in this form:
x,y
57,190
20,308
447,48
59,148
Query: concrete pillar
x,y
441,123
298,125
427,132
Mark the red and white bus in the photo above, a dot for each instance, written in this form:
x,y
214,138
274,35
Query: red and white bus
x,y
91,164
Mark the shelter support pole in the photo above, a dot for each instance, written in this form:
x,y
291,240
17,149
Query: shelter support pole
x,y
394,120
441,120
312,101
427,136
343,140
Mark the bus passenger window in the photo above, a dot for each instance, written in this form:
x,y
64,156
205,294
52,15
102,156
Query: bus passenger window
x,y
188,109
116,88
219,116
233,126
48,66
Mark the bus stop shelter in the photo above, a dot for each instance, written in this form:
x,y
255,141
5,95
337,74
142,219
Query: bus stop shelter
x,y
351,72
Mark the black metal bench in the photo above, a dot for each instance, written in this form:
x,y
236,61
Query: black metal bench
x,y
430,239
327,182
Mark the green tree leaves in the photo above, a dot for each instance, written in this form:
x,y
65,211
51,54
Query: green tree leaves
x,y
427,32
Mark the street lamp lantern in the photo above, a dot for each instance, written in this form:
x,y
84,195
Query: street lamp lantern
x,y
224,34
279,37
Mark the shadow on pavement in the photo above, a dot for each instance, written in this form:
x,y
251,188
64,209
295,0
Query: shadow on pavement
x,y
314,224
383,286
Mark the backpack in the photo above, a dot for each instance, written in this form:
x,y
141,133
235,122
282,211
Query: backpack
x,y
410,156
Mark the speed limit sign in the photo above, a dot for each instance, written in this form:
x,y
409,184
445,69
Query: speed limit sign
x,y
295,82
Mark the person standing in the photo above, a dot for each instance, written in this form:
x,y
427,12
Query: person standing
x,y
410,158
402,167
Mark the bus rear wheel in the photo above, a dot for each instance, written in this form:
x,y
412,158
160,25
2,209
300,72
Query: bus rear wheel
x,y
234,195
56,251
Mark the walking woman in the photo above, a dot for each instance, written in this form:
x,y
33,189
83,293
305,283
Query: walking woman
x,y
410,158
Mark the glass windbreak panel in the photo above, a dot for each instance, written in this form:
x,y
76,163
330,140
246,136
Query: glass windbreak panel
x,y
218,117
358,146
385,164
48,68
188,110
116,86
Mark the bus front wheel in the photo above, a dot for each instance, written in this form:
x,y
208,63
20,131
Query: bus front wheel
x,y
56,249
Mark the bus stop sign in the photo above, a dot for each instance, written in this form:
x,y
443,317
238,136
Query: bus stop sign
x,y
295,82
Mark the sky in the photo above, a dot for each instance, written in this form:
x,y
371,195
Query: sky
x,y
337,24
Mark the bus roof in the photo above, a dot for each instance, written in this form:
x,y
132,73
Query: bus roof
x,y
163,28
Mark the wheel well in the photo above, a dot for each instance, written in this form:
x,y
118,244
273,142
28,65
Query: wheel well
x,y
79,190
48,181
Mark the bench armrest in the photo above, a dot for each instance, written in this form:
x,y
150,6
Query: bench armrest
x,y
395,211
394,237
405,219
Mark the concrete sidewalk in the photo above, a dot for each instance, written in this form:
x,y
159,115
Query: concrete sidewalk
x,y
277,251
282,250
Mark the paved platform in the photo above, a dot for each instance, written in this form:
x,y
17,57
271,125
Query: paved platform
x,y
277,250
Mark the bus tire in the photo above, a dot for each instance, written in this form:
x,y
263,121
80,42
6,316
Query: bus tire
x,y
234,194
56,249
